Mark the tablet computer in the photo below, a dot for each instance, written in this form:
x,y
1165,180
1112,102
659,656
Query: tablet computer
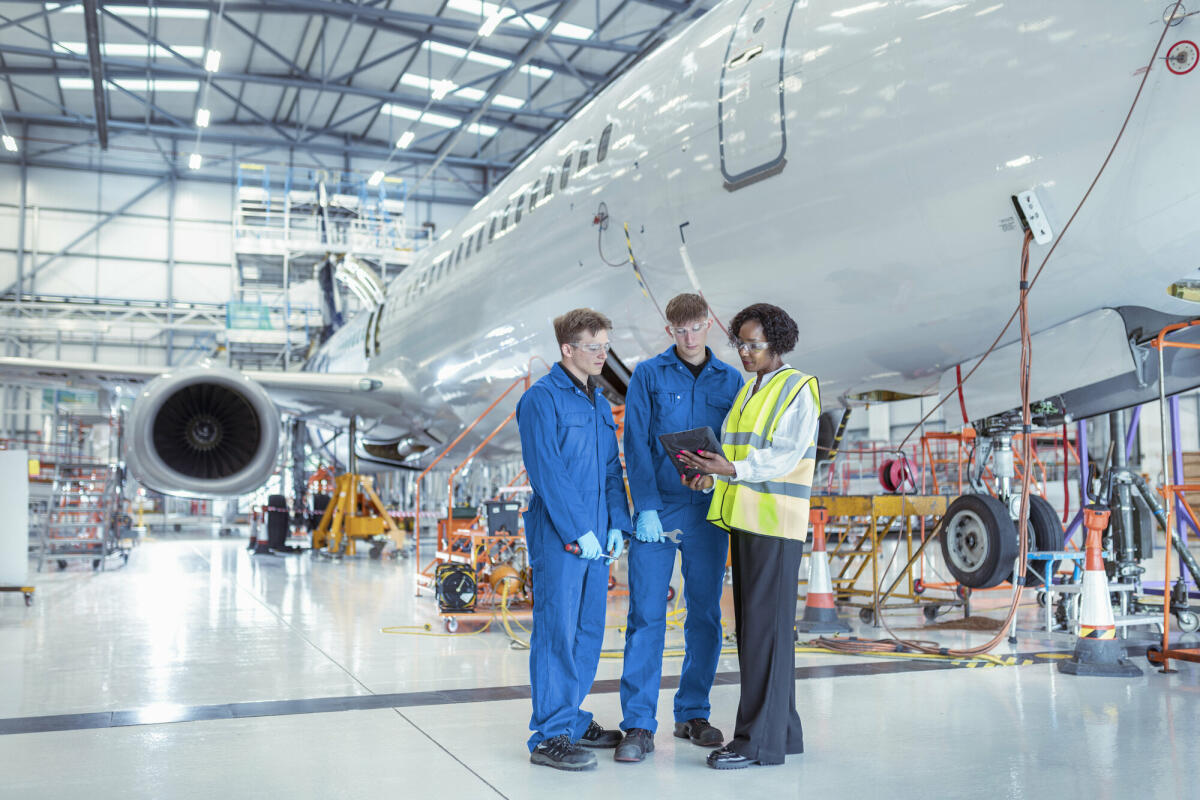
x,y
693,440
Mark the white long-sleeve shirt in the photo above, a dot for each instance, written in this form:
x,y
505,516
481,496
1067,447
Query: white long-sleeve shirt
x,y
794,434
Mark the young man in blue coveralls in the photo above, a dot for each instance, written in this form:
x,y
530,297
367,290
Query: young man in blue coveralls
x,y
684,387
569,445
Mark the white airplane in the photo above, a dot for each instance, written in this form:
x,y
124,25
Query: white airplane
x,y
857,165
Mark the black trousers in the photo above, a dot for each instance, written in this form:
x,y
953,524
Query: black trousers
x,y
765,572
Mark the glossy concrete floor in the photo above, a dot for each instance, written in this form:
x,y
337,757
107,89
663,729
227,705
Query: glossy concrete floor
x,y
201,670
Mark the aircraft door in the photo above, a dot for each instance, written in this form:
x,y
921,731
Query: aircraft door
x,y
750,103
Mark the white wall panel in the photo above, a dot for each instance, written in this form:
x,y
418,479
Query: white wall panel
x,y
203,201
47,232
133,238
117,190
203,243
132,279
10,183
202,284
8,268
9,219
62,188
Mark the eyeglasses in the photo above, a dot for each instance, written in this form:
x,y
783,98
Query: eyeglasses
x,y
699,326
593,347
755,347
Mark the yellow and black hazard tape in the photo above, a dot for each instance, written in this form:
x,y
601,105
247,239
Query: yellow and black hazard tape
x,y
1087,632
975,662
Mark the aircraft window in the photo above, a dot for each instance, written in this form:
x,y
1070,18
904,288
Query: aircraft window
x,y
367,335
504,218
566,174
549,190
602,148
517,209
492,231
533,198
479,240
458,257
582,160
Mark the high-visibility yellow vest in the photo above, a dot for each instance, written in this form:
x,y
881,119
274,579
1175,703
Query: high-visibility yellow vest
x,y
771,508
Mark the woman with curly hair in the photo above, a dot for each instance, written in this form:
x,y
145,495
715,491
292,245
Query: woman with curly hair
x,y
761,485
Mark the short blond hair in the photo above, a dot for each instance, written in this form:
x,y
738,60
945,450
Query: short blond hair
x,y
570,325
685,308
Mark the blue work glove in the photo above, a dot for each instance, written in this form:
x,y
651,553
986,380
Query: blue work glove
x,y
589,546
649,529
616,543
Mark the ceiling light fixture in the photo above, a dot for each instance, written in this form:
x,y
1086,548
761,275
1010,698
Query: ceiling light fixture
x,y
376,178
405,140
442,88
212,61
491,23
202,118
10,144
195,160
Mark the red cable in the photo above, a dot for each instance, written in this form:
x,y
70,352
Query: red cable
x,y
962,402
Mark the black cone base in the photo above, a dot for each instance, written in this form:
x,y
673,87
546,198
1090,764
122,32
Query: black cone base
x,y
821,620
1102,658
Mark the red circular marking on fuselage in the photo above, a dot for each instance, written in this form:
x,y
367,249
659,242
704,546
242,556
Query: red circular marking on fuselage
x,y
1195,57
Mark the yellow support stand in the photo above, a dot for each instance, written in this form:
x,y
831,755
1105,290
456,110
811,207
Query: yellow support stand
x,y
352,516
857,531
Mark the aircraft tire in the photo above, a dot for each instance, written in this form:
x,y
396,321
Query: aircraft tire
x,y
979,541
1048,534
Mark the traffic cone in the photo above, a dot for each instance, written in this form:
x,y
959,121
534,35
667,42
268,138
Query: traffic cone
x,y
1097,650
820,614
262,545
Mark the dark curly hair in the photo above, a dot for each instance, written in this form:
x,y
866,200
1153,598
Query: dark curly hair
x,y
778,326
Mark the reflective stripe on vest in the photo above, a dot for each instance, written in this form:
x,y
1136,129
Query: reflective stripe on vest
x,y
771,508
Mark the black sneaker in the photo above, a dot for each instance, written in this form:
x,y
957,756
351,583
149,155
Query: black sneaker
x,y
636,744
724,758
560,753
700,732
598,737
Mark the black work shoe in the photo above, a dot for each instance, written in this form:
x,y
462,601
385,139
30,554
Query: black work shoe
x,y
700,732
598,737
560,753
636,744
724,758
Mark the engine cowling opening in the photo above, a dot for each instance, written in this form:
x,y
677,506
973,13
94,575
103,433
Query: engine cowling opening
x,y
203,432
207,431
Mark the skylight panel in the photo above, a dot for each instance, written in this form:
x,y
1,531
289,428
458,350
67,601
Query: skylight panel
x,y
132,50
440,120
486,11
133,84
485,58
136,11
441,88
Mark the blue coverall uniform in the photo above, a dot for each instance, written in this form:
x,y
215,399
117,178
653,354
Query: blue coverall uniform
x,y
569,445
664,397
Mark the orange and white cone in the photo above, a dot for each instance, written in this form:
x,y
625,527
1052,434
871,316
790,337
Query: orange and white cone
x,y
1097,650
820,613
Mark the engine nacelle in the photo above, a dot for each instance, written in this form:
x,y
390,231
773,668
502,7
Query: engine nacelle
x,y
203,432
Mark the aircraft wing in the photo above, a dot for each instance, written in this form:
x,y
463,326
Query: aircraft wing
x,y
307,394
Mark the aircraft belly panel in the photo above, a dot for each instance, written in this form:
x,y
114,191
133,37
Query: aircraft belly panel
x,y
1084,351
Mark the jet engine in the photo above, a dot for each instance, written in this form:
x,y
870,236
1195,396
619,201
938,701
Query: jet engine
x,y
202,432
